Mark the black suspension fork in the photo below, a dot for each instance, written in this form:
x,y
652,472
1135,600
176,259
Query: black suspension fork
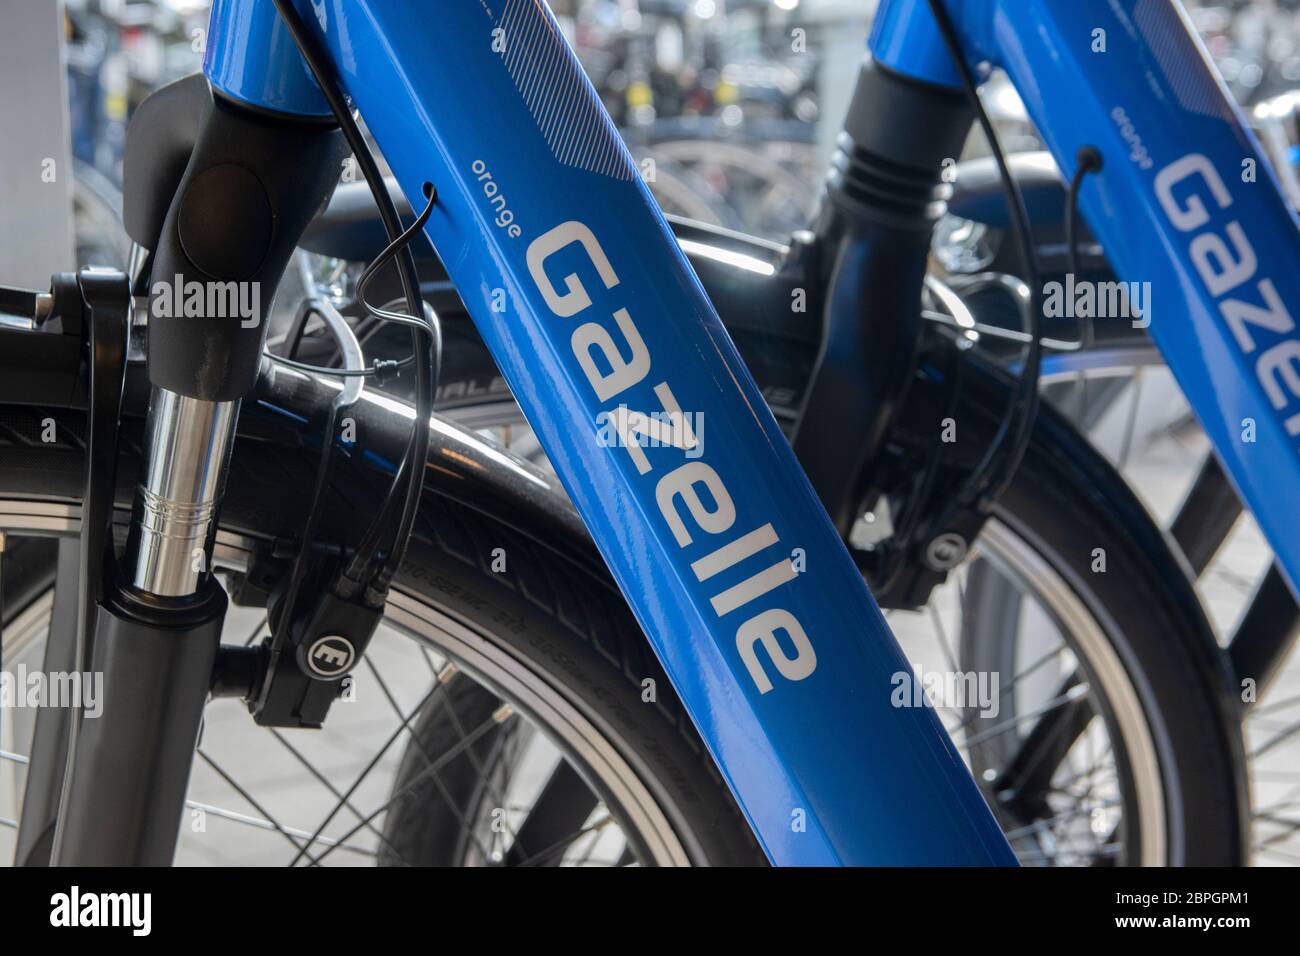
x,y
252,183
884,194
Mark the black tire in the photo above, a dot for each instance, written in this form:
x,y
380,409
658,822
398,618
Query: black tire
x,y
555,611
567,622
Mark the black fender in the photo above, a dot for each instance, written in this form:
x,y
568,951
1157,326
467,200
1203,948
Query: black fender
x,y
279,429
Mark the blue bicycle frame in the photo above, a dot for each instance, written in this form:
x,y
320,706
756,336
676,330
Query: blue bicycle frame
x,y
1187,202
745,590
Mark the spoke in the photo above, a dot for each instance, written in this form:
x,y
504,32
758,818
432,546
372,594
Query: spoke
x,y
496,793
1261,726
593,841
1049,822
428,659
374,761
1288,826
1062,786
16,758
1046,746
263,824
1273,705
1283,854
1244,586
943,636
1130,425
334,791
1089,744
1079,690
1027,780
1282,735
565,802
968,721
256,631
510,748
6,822
961,578
497,718
465,824
248,797
1284,804
561,845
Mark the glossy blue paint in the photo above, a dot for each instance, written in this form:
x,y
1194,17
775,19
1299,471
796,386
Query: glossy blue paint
x,y
251,55
905,39
485,100
1221,251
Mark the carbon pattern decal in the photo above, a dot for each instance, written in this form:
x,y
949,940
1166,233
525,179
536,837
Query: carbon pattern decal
x,y
566,109
1166,34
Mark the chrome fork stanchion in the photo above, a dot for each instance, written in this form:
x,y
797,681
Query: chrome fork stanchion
x,y
187,451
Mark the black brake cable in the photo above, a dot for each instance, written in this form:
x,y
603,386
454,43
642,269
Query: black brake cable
x,y
426,339
380,368
994,471
1087,160
299,572
372,541
394,247
347,396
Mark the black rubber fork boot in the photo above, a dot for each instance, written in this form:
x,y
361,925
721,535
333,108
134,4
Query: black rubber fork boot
x,y
253,182
885,191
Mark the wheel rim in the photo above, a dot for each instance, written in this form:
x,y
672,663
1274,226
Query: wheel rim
x,y
626,816
1118,707
618,783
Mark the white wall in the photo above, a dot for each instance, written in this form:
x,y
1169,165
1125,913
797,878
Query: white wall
x,y
36,236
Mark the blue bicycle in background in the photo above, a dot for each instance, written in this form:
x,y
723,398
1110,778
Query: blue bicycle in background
x,y
714,681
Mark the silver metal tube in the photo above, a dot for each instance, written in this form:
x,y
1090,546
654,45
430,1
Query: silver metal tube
x,y
136,264
188,448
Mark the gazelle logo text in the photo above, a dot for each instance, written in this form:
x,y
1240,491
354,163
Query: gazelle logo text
x,y
614,358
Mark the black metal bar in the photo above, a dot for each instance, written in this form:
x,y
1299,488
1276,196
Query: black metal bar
x,y
1027,780
126,789
1267,632
1269,628
1206,515
49,749
560,810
